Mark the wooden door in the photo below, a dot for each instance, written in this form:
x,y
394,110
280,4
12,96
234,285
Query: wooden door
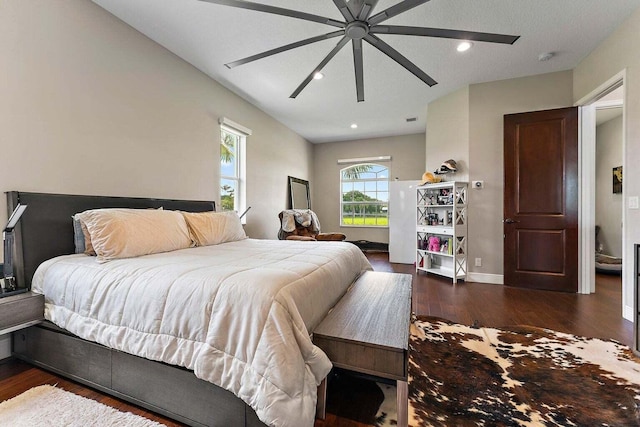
x,y
541,200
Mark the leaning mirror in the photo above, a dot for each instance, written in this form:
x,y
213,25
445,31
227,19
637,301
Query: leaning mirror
x,y
299,194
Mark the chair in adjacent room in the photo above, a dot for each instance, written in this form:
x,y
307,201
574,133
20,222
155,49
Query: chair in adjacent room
x,y
303,224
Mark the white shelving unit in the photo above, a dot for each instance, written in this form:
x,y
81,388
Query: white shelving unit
x,y
442,218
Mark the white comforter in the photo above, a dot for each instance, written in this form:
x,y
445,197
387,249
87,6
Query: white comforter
x,y
238,314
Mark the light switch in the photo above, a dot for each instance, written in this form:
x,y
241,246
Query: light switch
x,y
633,202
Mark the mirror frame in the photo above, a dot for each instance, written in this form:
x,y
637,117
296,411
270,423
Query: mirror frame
x,y
296,182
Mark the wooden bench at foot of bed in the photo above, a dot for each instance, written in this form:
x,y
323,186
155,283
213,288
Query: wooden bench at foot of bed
x,y
368,332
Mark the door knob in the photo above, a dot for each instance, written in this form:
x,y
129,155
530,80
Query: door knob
x,y
510,221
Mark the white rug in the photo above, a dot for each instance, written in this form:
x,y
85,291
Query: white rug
x,y
50,406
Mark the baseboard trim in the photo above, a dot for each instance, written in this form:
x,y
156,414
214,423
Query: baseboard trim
x,y
495,279
627,313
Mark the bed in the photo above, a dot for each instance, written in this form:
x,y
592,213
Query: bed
x,y
253,305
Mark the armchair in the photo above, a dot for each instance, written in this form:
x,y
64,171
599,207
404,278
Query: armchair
x,y
303,224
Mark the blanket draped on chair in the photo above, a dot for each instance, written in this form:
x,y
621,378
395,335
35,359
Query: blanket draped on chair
x,y
304,217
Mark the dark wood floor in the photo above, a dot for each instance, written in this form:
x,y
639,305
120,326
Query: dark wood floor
x,y
597,315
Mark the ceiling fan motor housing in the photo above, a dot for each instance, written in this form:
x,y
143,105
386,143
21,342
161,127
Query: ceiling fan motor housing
x,y
356,30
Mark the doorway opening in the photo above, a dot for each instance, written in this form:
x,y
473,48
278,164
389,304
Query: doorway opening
x,y
602,101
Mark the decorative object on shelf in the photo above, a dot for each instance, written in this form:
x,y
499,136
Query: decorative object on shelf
x,y
448,166
434,244
433,219
429,178
441,229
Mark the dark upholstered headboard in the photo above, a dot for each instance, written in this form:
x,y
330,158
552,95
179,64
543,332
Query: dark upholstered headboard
x,y
46,229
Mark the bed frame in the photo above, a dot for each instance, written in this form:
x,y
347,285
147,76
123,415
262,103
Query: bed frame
x,y
46,231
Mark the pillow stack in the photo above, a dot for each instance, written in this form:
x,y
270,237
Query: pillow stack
x,y
126,233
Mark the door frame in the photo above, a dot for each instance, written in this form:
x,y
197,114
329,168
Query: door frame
x,y
586,196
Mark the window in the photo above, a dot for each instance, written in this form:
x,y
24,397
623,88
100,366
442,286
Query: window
x,y
232,170
365,195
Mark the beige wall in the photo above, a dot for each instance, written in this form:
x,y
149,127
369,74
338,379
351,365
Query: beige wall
x,y
615,54
407,163
90,106
468,125
447,133
608,203
488,103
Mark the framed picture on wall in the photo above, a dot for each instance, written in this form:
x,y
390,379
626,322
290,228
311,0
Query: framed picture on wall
x,y
617,179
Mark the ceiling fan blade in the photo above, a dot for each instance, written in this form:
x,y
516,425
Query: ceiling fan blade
x,y
444,33
344,9
399,58
357,64
242,4
284,48
367,8
355,6
395,10
361,9
343,41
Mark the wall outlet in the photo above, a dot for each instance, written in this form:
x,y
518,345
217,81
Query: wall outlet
x,y
477,184
478,262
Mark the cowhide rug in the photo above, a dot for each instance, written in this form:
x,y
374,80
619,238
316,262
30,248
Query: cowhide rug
x,y
518,376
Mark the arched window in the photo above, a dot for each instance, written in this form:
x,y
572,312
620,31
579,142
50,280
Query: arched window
x,y
364,195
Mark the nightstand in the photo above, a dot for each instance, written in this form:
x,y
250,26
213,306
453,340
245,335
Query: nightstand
x,y
20,311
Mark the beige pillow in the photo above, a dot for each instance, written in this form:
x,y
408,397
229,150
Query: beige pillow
x,y
126,233
212,228
83,244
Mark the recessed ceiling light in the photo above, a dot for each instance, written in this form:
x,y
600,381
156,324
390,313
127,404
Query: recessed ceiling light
x,y
318,76
354,125
464,46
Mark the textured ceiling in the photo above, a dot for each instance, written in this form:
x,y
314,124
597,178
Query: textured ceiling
x,y
209,35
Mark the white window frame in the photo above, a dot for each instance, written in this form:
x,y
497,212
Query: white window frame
x,y
239,177
363,180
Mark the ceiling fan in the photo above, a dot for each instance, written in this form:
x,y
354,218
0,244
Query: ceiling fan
x,y
358,25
